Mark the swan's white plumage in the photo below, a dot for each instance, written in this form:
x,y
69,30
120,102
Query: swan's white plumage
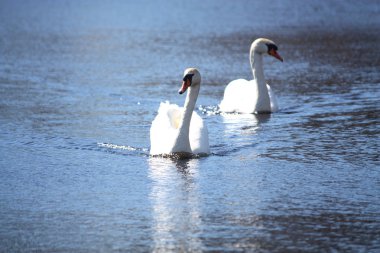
x,y
241,95
273,99
180,130
253,96
165,128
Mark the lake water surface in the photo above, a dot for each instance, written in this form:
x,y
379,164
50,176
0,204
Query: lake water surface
x,y
81,82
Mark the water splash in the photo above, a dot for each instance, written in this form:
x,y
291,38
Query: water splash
x,y
209,109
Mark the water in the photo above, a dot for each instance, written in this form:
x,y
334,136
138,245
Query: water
x,y
81,82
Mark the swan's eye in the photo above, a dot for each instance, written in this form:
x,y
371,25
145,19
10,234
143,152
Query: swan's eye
x,y
188,77
272,46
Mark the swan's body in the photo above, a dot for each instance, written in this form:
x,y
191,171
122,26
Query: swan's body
x,y
254,96
179,131
241,96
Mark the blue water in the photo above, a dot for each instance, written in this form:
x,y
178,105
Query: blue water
x,y
81,82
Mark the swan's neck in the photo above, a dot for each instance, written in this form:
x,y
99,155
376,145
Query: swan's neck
x,y
263,100
182,143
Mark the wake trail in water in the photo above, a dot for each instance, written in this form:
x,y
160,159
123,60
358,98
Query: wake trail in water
x,y
114,148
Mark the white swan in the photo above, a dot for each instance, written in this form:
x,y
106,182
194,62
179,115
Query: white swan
x,y
254,96
180,132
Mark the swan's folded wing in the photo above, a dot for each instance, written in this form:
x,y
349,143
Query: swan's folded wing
x,y
198,135
273,99
239,96
164,128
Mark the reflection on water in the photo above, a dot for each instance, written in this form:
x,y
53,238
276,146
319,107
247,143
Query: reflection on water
x,y
242,128
174,196
247,123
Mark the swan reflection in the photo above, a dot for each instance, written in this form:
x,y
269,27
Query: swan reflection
x,y
240,132
249,123
174,196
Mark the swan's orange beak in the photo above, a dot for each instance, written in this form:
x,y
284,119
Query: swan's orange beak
x,y
274,53
185,84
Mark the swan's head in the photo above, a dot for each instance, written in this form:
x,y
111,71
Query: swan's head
x,y
191,78
265,46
